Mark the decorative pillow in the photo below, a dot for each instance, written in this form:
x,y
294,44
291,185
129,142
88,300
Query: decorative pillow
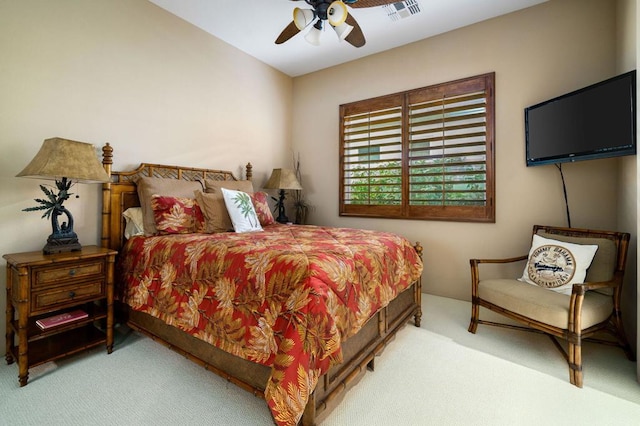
x,y
134,223
260,204
557,265
148,186
216,217
213,186
243,215
177,215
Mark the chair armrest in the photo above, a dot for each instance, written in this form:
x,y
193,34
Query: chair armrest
x,y
475,272
615,283
582,288
578,292
506,260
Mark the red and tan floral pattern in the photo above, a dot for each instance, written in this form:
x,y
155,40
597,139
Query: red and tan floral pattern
x,y
286,297
177,215
259,200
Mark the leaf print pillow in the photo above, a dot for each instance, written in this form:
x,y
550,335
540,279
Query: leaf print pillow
x,y
261,206
176,215
240,209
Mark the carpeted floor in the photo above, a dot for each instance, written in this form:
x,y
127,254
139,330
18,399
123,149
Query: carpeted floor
x,y
438,374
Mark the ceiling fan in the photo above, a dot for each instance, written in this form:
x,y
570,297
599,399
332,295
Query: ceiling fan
x,y
333,12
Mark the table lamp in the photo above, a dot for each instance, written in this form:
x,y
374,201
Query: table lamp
x,y
66,162
282,179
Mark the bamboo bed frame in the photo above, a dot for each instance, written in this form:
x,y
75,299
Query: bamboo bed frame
x,y
359,351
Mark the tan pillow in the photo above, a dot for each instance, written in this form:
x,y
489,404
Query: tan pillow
x,y
213,186
216,217
148,186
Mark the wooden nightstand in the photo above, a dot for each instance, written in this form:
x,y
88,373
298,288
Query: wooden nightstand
x,y
40,286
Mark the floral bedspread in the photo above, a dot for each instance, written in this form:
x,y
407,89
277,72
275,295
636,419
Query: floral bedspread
x,y
285,297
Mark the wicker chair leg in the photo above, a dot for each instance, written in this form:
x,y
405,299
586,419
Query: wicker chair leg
x,y
620,335
626,347
575,364
475,310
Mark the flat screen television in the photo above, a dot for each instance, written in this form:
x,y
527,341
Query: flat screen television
x,y
597,121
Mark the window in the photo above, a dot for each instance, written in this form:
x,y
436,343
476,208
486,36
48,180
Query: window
x,y
423,154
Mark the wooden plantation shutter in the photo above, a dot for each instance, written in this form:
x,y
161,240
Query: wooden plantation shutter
x,y
371,160
423,154
450,151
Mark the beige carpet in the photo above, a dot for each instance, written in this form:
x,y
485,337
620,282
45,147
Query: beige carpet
x,y
438,374
429,379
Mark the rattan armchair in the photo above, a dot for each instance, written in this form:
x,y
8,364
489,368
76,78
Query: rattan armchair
x,y
592,307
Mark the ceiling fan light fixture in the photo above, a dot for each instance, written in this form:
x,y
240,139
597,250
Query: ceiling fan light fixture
x,y
343,30
313,36
303,17
337,13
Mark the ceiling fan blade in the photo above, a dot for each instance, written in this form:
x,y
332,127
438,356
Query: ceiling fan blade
x,y
355,37
360,4
287,33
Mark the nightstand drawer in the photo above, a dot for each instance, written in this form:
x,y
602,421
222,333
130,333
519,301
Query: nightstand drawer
x,y
50,275
46,300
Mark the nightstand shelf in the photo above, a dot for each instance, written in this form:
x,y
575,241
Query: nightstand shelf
x,y
96,312
64,344
41,286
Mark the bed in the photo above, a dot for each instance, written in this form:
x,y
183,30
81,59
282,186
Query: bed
x,y
294,314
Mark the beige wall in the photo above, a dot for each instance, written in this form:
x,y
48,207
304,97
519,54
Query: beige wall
x,y
129,73
536,53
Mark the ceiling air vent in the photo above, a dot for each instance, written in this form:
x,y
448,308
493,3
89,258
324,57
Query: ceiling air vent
x,y
402,9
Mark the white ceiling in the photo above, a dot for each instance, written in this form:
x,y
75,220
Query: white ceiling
x,y
253,25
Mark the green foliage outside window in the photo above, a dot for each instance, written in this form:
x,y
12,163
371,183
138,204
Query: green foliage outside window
x,y
436,182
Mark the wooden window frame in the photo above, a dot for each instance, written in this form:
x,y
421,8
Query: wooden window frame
x,y
398,134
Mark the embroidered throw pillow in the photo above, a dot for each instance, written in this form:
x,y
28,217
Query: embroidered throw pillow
x,y
176,215
240,208
260,204
557,265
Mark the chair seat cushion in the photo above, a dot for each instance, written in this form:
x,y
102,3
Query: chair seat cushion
x,y
542,305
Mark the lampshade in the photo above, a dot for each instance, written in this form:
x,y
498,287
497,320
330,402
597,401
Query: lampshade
x,y
313,36
337,13
60,158
282,179
303,17
343,30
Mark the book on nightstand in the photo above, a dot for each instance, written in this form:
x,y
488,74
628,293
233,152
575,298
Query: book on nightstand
x,y
60,319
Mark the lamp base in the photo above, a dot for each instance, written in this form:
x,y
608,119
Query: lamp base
x,y
282,217
57,244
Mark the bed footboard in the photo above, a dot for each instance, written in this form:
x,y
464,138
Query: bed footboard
x,y
360,351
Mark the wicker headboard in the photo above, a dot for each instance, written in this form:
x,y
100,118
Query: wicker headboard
x,y
120,193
